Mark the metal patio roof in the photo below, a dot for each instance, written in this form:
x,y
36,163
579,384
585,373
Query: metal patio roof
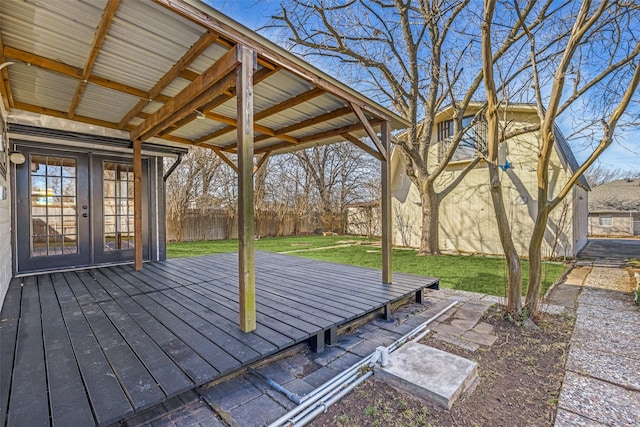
x,y
109,64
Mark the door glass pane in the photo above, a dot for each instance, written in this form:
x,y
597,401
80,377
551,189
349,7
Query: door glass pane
x,y
53,217
117,196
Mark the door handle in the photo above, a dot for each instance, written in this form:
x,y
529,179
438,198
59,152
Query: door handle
x,y
85,215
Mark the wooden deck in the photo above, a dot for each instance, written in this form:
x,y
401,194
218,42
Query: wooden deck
x,y
96,346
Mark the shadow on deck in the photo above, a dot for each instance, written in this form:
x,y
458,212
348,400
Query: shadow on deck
x,y
97,346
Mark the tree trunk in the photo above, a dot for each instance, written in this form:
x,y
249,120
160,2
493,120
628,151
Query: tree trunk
x,y
429,244
514,294
535,262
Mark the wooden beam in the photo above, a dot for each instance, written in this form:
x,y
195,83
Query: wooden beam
x,y
96,45
213,81
190,55
63,114
355,141
387,266
137,203
5,83
336,132
258,76
369,129
224,157
262,161
68,70
246,253
275,56
299,99
309,122
232,123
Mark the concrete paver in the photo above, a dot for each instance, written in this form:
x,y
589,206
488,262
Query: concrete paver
x,y
602,380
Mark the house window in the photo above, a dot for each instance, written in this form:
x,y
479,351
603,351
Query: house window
x,y
473,141
605,220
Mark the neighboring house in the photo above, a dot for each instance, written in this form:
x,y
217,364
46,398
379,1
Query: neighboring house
x,y
364,219
467,220
614,209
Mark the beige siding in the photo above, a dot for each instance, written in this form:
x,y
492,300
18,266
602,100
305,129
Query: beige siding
x,y
622,224
467,220
5,241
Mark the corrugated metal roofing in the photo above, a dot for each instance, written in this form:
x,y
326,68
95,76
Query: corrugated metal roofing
x,y
143,42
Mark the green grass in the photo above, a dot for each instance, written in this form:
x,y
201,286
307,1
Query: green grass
x,y
268,244
470,273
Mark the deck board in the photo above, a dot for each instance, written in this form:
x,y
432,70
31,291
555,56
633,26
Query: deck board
x,y
95,346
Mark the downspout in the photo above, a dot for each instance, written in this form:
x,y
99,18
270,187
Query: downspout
x,y
172,168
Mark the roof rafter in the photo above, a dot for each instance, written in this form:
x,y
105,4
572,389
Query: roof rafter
x,y
194,51
214,80
321,135
258,76
284,105
265,52
68,70
309,122
96,45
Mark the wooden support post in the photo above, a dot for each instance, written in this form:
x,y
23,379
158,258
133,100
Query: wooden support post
x,y
246,256
137,203
387,311
316,342
420,296
386,205
331,336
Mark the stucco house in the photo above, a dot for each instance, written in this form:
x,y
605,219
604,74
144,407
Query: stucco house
x,y
467,221
614,209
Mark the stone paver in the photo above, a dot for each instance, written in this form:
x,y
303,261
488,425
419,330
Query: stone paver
x,y
247,401
602,380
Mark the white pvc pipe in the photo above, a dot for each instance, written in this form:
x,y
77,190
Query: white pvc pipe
x,y
329,388
323,407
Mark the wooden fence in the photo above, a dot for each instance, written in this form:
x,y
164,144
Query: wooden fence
x,y
212,224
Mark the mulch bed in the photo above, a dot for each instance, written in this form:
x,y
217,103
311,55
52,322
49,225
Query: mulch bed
x,y
520,379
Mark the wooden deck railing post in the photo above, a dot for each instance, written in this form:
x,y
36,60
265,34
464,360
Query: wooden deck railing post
x,y
385,130
246,256
137,203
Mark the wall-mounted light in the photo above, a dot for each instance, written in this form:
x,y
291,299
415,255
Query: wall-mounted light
x,y
16,157
199,115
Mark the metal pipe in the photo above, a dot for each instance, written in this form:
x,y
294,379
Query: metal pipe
x,y
419,328
321,391
325,405
338,377
173,167
329,388
328,395
292,396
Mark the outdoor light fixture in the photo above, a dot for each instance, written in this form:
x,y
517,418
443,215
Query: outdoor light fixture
x,y
199,115
16,157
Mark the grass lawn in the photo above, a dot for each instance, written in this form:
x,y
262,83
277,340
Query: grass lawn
x,y
470,273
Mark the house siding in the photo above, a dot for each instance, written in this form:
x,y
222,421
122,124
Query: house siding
x,y
622,224
467,219
5,240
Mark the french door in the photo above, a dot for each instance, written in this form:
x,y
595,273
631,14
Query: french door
x,y
74,210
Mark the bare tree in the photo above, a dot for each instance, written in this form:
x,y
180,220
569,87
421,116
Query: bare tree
x,y
418,56
192,178
600,55
599,174
338,174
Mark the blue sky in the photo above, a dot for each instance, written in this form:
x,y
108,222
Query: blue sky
x,y
623,154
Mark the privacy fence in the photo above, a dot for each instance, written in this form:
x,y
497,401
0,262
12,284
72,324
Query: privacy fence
x,y
214,224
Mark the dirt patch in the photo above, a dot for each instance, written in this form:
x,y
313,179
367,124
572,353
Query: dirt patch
x,y
520,379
